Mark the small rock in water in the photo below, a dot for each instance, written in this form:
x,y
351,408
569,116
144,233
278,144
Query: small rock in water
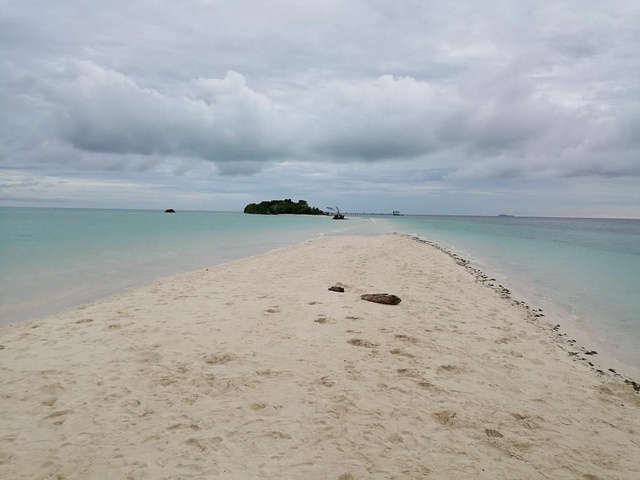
x,y
384,298
336,288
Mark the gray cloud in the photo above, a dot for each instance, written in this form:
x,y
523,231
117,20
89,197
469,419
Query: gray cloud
x,y
494,127
104,111
537,91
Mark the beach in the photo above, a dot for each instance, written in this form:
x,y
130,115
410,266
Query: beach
x,y
254,369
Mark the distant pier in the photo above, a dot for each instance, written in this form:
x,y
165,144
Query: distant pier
x,y
395,213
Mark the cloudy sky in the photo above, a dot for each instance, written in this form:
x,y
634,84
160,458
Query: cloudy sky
x,y
435,107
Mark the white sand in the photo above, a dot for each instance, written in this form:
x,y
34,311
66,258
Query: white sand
x,y
255,370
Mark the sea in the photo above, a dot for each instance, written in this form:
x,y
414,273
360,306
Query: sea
x,y
52,259
586,271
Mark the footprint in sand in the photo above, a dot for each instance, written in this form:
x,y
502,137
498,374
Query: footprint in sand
x,y
525,420
278,435
445,417
219,359
58,414
180,426
326,382
49,402
358,342
269,373
421,381
444,369
52,389
407,338
505,340
400,352
324,320
166,381
194,442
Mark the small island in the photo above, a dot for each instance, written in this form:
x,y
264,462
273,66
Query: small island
x,y
282,207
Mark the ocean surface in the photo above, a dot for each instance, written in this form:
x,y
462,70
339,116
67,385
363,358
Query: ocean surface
x,y
53,259
584,270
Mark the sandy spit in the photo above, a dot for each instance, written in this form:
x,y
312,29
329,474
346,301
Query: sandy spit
x,y
255,370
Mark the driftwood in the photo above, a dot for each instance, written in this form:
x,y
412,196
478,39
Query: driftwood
x,y
384,298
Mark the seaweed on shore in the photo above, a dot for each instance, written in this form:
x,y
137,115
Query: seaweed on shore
x,y
532,315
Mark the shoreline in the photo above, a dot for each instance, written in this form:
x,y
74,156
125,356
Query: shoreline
x,y
575,341
254,369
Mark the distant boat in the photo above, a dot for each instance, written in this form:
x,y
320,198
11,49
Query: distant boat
x,y
505,215
337,214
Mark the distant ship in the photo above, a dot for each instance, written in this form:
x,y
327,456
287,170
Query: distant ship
x,y
505,215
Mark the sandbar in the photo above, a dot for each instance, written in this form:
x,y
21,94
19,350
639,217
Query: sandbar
x,y
254,369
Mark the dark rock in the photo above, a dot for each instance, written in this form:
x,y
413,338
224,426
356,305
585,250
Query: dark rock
x,y
335,288
169,210
590,352
384,298
635,385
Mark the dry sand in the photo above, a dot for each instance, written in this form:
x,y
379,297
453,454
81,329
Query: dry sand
x,y
255,370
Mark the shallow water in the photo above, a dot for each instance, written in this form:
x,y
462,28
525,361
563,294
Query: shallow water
x,y
51,259
587,269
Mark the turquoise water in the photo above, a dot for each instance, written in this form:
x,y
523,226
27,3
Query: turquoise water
x,y
587,269
51,259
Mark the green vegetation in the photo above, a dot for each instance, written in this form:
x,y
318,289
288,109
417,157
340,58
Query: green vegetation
x,y
286,206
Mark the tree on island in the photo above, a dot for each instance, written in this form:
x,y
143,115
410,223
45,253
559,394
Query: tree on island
x,y
286,206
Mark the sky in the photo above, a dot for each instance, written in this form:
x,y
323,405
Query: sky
x,y
429,107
